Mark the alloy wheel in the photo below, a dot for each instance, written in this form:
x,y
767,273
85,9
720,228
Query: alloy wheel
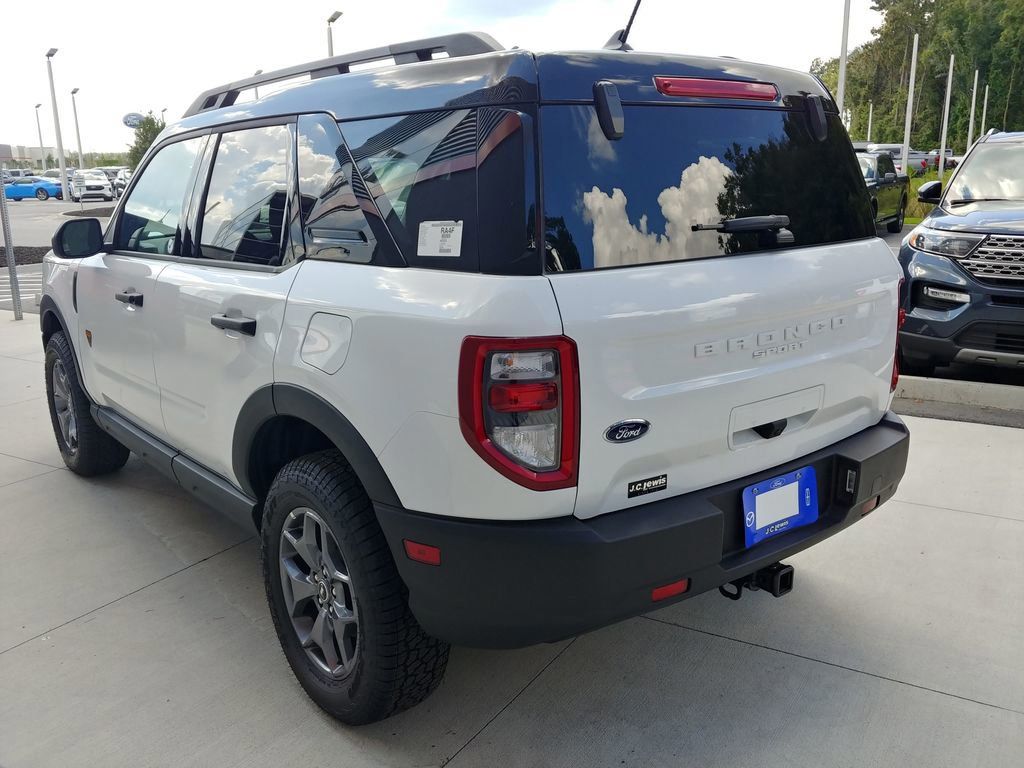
x,y
318,592
63,406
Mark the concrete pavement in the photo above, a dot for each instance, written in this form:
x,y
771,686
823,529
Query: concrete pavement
x,y
33,222
134,632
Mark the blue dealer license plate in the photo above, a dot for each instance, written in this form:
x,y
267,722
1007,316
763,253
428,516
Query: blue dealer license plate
x,y
780,504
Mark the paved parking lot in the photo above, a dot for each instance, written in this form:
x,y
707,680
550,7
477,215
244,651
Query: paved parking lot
x,y
134,632
34,221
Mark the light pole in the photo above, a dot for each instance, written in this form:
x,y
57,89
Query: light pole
x,y
974,98
78,136
910,107
984,112
56,126
945,117
256,89
162,113
840,95
42,152
330,32
871,114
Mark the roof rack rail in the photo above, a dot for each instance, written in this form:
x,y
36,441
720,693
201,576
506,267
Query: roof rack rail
x,y
459,44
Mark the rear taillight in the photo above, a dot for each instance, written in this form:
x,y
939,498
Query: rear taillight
x,y
716,89
901,317
519,407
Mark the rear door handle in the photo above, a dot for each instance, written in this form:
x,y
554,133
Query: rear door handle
x,y
129,297
246,325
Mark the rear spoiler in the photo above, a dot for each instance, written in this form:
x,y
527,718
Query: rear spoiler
x,y
460,44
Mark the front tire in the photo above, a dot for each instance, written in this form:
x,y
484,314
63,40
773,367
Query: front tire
x,y
86,449
339,606
897,224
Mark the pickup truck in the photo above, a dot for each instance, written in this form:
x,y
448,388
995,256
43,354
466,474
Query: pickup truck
x,y
889,190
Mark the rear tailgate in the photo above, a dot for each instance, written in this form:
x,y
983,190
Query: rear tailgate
x,y
712,336
811,334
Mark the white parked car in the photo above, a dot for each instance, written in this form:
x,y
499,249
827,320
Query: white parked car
x,y
91,184
490,349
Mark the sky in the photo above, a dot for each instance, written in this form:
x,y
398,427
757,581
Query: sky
x,y
139,58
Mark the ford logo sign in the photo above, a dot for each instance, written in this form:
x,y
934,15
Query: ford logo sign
x,y
133,119
626,431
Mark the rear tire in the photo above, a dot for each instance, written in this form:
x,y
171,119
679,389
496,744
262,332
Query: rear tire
x,y
86,449
42,194
897,224
339,606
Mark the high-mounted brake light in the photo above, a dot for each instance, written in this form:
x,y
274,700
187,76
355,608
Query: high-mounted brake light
x,y
519,407
716,89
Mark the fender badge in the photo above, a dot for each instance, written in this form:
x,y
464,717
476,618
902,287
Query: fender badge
x,y
626,431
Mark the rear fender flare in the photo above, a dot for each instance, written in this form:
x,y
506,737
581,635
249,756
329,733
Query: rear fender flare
x,y
298,402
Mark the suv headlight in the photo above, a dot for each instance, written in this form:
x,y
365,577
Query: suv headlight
x,y
954,244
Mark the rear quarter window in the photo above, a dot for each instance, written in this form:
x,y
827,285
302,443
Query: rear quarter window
x,y
635,200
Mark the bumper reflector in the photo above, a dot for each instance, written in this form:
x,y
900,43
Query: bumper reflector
x,y
422,553
670,590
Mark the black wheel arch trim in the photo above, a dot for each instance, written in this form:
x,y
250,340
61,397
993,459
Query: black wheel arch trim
x,y
292,400
48,308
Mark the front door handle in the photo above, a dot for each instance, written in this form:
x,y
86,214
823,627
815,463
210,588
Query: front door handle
x,y
129,297
246,325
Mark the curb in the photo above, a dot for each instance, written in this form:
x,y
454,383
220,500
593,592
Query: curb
x,y
1006,397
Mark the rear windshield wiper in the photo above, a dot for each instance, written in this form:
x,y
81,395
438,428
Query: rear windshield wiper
x,y
745,224
771,228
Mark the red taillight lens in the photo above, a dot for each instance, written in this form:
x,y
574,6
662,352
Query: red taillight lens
x,y
520,398
422,553
901,318
716,89
519,407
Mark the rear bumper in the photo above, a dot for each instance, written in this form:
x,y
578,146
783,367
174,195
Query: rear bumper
x,y
507,585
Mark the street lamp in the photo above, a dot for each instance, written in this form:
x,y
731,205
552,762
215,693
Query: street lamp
x,y
330,32
56,126
256,89
42,152
78,136
162,113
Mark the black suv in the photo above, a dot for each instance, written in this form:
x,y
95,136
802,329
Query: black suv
x,y
964,264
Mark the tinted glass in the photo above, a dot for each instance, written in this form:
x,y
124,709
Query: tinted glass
x,y
993,171
244,210
636,200
421,171
151,222
334,226
886,165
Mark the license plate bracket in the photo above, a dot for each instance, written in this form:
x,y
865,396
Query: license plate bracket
x,y
779,504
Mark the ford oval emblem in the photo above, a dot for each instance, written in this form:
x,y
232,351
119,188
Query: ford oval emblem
x,y
626,431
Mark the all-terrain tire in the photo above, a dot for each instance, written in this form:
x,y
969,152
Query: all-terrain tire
x,y
396,664
87,450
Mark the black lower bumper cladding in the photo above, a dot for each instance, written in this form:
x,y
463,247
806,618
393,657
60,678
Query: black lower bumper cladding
x,y
512,584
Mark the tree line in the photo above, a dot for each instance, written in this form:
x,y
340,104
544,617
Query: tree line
x,y
987,35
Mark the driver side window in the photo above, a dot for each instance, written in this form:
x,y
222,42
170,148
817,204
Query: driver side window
x,y
151,220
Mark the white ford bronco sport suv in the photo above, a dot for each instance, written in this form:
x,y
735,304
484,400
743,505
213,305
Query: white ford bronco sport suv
x,y
492,347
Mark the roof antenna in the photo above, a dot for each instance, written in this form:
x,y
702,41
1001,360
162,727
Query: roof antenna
x,y
617,42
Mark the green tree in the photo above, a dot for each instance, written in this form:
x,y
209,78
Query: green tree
x,y
145,134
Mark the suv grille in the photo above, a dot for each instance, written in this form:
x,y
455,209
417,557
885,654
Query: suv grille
x,y
993,337
999,257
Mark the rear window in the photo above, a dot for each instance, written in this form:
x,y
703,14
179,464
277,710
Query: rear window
x,y
636,200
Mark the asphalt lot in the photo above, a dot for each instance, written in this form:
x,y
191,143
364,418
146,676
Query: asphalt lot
x,y
134,632
34,221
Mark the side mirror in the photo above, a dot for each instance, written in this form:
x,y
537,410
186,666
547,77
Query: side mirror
x,y
78,238
930,192
890,177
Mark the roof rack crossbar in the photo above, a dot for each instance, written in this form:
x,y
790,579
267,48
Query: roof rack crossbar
x,y
459,44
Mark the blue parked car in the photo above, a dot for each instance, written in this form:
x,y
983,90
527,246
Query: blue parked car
x,y
33,186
